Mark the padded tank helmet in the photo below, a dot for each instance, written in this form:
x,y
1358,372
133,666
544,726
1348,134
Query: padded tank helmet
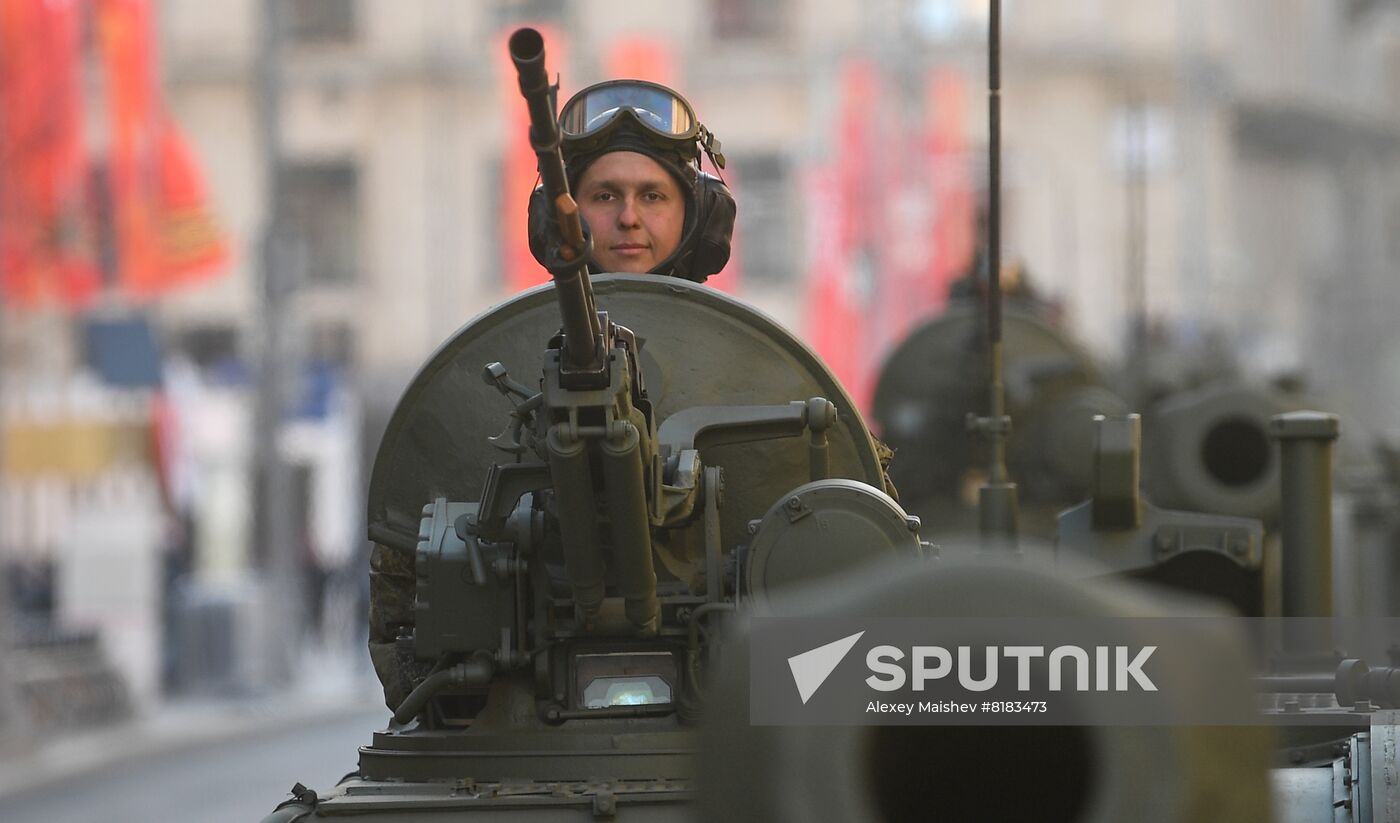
x,y
652,120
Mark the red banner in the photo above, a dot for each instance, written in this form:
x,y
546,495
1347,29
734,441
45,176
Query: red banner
x,y
56,200
953,188
928,215
891,220
844,222
45,243
165,232
191,244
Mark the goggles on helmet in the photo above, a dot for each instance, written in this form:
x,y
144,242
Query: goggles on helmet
x,y
593,115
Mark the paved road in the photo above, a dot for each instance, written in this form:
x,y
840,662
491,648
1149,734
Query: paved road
x,y
237,781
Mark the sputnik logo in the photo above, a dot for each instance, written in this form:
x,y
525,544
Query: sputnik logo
x,y
811,668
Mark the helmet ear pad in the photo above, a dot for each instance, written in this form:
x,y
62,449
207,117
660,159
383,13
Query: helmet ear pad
x,y
704,249
714,228
539,225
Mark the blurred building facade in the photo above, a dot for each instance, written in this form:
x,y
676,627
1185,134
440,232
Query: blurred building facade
x,y
1235,160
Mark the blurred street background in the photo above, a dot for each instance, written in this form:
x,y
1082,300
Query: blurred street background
x,y
230,231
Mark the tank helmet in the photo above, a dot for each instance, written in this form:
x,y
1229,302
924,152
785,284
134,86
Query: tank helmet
x,y
655,121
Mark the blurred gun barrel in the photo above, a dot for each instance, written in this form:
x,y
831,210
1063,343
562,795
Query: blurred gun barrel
x,y
1209,450
1305,443
1094,771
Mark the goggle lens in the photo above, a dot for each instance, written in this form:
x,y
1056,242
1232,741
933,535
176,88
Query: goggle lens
x,y
592,110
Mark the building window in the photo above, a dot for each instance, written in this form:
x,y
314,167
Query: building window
x,y
943,20
510,12
746,19
321,21
1140,139
767,217
217,351
331,343
209,346
320,213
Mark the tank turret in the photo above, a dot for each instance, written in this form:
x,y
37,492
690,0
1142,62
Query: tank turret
x,y
937,376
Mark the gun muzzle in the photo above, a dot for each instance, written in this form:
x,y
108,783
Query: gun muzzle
x,y
527,52
1209,450
883,772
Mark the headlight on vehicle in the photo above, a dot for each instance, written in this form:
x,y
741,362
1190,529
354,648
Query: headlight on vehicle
x,y
609,679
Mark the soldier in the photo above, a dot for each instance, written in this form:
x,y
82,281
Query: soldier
x,y
632,153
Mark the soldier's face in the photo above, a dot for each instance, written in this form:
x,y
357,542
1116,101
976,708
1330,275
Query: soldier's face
x,y
634,208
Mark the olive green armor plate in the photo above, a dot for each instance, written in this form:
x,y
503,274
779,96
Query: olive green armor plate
x,y
699,347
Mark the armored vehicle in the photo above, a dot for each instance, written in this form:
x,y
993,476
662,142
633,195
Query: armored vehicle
x,y
594,514
936,375
566,653
1205,431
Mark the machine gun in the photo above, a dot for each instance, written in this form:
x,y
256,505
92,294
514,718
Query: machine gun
x,y
594,409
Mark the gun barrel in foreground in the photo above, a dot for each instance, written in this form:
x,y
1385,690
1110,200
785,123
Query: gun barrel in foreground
x,y
581,327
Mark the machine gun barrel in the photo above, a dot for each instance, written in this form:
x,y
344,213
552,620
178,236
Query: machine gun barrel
x,y
580,317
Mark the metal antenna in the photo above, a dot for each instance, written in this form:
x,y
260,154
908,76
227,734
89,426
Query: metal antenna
x,y
997,509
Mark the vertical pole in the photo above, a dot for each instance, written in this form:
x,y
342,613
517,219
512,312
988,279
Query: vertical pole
x,y
14,724
994,197
997,508
277,546
1135,209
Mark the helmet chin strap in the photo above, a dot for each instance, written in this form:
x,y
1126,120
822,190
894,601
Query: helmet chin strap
x,y
670,267
679,261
